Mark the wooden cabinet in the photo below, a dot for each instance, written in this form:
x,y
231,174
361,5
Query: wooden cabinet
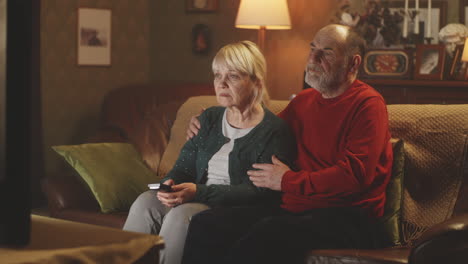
x,y
421,91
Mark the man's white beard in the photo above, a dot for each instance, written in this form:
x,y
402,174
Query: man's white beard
x,y
325,83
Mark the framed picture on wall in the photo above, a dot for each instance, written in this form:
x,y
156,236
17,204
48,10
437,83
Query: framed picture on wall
x,y
201,39
201,5
430,60
94,37
464,12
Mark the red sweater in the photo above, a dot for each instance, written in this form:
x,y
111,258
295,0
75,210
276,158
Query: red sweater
x,y
344,151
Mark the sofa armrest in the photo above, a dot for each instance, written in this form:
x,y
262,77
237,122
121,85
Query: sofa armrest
x,y
443,243
68,192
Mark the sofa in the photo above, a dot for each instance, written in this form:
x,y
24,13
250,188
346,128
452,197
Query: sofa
x,y
433,213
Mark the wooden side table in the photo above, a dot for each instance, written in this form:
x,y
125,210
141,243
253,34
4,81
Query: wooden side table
x,y
60,241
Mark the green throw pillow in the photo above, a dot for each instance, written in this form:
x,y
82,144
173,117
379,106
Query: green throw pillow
x,y
114,172
390,222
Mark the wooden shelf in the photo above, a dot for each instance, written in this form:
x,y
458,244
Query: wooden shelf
x,y
416,83
421,91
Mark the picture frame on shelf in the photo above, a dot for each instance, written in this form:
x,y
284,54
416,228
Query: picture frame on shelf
x,y
387,64
94,37
463,9
457,69
430,61
438,17
197,6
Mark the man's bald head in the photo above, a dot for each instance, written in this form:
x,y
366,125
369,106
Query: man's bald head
x,y
346,37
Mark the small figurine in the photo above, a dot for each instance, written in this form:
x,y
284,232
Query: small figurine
x,y
452,35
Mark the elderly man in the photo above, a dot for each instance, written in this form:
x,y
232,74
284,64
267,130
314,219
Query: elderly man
x,y
345,159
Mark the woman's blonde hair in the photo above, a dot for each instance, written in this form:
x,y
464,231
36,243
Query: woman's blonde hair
x,y
245,57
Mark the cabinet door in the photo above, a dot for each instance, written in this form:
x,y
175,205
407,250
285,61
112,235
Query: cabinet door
x,y
438,95
392,95
421,91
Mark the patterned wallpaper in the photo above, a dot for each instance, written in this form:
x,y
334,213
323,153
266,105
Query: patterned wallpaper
x,y
71,94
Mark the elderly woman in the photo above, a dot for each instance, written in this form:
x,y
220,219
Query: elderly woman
x,y
212,167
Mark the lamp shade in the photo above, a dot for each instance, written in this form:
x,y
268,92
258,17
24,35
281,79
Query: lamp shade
x,y
465,51
271,14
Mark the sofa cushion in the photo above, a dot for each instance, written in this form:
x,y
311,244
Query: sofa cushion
x,y
435,139
390,221
114,172
151,134
193,106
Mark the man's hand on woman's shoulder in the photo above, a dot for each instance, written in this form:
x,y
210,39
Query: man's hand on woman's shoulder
x,y
194,126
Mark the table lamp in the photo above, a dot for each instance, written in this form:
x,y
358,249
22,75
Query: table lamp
x,y
465,58
263,15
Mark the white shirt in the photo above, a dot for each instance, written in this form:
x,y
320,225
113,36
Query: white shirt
x,y
218,166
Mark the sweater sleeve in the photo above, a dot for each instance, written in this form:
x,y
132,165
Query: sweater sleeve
x,y
356,166
184,169
283,146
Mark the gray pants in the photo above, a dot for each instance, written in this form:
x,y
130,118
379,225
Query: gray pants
x,y
149,215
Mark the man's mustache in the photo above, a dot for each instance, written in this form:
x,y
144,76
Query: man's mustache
x,y
315,68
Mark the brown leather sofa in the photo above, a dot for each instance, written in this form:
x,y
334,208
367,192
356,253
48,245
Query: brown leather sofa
x,y
142,115
434,219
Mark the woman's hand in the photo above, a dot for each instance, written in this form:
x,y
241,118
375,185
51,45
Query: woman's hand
x,y
181,193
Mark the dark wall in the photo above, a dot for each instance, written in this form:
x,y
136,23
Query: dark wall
x,y
72,94
286,50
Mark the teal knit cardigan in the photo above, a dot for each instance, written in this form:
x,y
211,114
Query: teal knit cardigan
x,y
271,136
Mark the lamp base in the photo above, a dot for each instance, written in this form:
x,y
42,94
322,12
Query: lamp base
x,y
261,38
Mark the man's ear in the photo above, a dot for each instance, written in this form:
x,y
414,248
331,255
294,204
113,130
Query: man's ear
x,y
355,63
